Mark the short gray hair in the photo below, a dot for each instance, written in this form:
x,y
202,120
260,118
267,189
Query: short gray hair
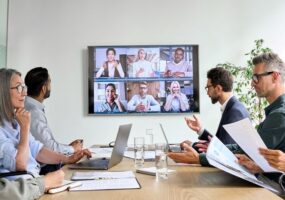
x,y
6,107
272,63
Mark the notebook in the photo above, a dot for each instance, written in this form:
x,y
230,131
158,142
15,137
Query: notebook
x,y
117,153
66,185
151,171
172,148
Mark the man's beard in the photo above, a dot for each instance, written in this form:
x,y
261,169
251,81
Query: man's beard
x,y
214,99
47,94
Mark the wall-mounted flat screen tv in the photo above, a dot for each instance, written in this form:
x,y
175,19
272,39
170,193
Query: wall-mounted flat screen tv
x,y
147,79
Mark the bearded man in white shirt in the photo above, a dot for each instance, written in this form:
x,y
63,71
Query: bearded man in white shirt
x,y
39,86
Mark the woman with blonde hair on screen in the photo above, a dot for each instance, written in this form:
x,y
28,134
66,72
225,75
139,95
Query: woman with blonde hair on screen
x,y
142,67
176,101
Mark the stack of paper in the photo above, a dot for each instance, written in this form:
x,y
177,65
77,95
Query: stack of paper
x,y
249,140
221,157
151,171
101,152
105,180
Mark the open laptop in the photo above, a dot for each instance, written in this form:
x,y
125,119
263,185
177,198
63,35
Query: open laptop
x,y
117,153
172,148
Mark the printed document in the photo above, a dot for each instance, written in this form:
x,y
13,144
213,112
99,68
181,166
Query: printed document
x,y
106,181
98,152
221,157
249,140
101,175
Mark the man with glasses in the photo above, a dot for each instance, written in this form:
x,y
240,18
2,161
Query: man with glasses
x,y
143,102
268,81
39,86
219,89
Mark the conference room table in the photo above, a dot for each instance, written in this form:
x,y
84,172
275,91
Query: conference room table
x,y
187,182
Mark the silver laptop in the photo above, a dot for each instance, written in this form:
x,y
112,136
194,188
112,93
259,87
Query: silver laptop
x,y
172,148
117,153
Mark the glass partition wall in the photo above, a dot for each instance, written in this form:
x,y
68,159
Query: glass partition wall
x,y
3,32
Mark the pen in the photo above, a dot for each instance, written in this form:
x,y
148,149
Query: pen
x,y
60,165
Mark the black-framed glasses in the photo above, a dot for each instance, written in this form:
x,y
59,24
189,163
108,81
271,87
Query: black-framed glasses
x,y
256,77
207,87
20,88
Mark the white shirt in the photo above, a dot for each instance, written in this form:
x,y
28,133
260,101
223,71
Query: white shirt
x,y
145,66
111,70
148,100
182,66
225,104
222,111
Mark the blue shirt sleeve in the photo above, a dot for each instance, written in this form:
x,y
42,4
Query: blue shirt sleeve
x,y
35,146
8,152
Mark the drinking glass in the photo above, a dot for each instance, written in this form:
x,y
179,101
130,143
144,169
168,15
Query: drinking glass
x,y
139,152
161,161
149,140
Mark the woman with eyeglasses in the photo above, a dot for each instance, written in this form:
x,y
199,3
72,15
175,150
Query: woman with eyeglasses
x,y
19,151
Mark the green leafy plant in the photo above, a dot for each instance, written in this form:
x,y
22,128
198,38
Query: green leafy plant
x,y
242,84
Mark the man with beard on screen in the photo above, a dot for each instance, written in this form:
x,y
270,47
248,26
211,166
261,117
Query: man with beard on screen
x,y
39,86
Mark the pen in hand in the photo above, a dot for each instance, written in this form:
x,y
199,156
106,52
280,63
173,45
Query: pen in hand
x,y
59,165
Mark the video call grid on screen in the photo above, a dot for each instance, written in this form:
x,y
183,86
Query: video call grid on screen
x,y
152,79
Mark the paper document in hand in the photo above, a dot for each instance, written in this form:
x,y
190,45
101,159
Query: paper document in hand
x,y
218,152
249,140
101,152
221,157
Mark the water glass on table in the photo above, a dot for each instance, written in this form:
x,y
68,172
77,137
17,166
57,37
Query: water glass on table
x,y
139,152
149,140
161,161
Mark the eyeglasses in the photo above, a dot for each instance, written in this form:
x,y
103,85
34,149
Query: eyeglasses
x,y
256,77
207,87
20,88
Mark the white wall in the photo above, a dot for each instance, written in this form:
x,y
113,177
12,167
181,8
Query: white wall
x,y
55,34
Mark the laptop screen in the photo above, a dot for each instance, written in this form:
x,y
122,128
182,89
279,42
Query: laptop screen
x,y
120,144
173,148
166,140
